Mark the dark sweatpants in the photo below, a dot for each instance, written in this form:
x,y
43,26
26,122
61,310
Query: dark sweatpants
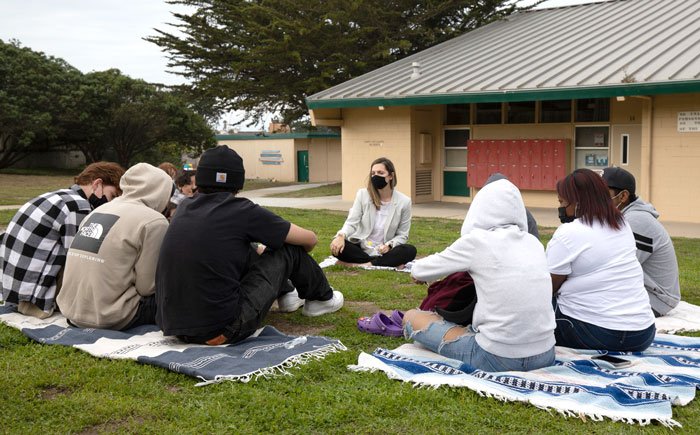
x,y
398,255
264,282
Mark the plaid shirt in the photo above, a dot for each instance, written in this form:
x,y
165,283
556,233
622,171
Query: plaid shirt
x,y
33,249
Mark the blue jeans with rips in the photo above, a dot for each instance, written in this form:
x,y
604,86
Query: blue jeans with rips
x,y
466,349
578,334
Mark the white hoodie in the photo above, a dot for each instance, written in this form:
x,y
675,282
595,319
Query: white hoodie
x,y
513,316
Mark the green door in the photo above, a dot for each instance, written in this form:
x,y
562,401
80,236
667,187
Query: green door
x,y
303,166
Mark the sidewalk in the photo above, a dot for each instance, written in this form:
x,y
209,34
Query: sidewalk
x,y
546,217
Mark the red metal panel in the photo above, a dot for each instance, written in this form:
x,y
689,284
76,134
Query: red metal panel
x,y
535,167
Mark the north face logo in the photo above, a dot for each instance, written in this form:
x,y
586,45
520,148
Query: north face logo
x,y
94,231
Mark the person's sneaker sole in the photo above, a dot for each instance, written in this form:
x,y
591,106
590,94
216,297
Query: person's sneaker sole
x,y
289,302
319,308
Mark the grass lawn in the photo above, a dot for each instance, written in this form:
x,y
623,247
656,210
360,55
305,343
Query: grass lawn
x,y
20,188
57,389
327,190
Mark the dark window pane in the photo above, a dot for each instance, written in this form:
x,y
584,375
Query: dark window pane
x,y
488,113
457,114
591,137
521,112
593,110
456,138
555,111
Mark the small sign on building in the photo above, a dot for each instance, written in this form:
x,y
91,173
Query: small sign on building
x,y
689,122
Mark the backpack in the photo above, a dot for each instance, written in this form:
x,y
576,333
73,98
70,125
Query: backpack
x,y
453,297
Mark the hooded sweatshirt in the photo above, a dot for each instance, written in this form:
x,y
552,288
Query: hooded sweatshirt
x,y
111,264
656,254
513,317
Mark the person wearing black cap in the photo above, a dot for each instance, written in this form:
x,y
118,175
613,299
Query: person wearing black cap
x,y
655,249
211,286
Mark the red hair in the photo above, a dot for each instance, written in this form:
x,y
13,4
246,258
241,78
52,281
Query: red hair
x,y
589,192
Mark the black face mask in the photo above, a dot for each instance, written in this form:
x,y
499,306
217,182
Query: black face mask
x,y
378,181
95,201
563,218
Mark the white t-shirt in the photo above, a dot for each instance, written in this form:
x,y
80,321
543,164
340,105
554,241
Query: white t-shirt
x,y
377,234
605,284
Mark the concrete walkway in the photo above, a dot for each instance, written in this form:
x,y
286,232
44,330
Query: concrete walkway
x,y
546,217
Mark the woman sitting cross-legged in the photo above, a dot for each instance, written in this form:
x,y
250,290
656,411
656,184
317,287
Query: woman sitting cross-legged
x,y
601,302
513,322
376,230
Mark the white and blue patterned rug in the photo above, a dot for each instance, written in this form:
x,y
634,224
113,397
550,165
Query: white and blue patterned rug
x,y
665,375
268,353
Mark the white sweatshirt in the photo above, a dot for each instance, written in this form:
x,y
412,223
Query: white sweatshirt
x,y
513,316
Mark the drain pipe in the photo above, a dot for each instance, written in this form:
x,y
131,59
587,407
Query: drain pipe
x,y
647,130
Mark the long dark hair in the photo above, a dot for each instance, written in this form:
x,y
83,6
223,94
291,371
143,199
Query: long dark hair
x,y
373,192
589,192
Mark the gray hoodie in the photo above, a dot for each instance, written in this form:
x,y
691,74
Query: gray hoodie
x,y
111,264
656,254
513,316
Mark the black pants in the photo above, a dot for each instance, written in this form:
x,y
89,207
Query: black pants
x,y
398,255
145,313
266,280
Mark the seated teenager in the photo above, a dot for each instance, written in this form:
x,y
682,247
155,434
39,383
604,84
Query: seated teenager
x,y
376,230
601,302
513,322
655,250
211,286
109,278
33,249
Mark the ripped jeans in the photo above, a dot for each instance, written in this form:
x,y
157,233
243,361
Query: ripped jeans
x,y
466,349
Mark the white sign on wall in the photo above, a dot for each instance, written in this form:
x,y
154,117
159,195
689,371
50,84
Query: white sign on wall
x,y
689,122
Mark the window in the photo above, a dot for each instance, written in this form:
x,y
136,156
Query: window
x,y
488,113
624,149
457,114
593,110
455,141
555,111
521,112
592,147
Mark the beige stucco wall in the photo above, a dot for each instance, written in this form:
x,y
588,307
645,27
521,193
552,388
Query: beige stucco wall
x,y
370,133
250,150
674,159
325,161
664,161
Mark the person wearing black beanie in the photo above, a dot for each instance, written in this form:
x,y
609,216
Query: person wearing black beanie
x,y
211,286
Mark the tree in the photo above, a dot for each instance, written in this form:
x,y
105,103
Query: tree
x,y
34,89
266,56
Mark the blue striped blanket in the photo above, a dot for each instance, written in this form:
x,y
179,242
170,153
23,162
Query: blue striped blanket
x,y
268,353
666,374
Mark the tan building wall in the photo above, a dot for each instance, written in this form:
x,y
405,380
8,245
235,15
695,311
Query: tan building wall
x,y
674,160
370,133
664,161
250,151
325,160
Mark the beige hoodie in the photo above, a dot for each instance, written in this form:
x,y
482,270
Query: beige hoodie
x,y
112,261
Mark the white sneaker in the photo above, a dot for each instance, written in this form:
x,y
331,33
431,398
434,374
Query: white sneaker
x,y
289,302
318,308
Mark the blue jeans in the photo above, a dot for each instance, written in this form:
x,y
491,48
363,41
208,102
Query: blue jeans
x,y
578,334
466,349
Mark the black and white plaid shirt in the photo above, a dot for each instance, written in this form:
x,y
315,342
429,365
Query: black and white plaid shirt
x,y
33,249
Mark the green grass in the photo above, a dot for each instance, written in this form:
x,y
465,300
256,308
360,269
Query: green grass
x,y
263,183
327,190
20,188
59,390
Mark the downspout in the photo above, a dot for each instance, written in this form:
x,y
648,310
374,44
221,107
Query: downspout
x,y
644,187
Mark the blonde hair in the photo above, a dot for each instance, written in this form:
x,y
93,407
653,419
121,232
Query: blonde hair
x,y
373,192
